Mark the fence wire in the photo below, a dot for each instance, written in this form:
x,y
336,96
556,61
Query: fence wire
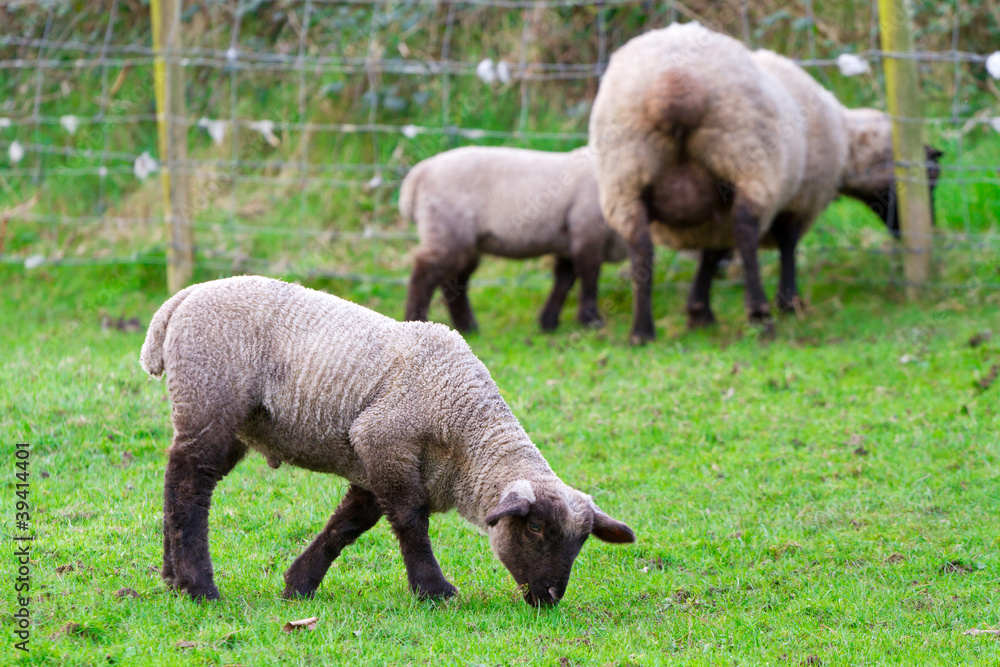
x,y
302,117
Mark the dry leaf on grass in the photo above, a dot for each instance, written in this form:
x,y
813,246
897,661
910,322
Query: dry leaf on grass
x,y
129,592
307,623
975,632
185,644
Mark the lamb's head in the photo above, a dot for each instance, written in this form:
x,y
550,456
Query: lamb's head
x,y
870,172
537,530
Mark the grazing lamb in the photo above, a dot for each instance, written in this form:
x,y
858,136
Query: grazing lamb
x,y
404,411
702,145
507,202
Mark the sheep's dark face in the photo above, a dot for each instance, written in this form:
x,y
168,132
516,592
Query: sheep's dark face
x,y
884,203
538,532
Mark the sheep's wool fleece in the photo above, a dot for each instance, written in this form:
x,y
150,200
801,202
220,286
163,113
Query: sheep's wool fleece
x,y
754,120
323,384
510,202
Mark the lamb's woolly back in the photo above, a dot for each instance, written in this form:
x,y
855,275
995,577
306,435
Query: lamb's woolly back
x,y
151,355
403,410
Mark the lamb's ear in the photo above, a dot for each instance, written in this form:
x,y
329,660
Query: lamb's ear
x,y
611,530
513,504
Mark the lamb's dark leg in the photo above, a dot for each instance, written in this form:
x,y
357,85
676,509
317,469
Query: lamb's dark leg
x,y
357,512
392,462
565,276
456,296
411,523
424,280
699,303
746,226
785,230
196,465
588,268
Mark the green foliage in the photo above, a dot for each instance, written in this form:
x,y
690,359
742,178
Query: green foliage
x,y
822,499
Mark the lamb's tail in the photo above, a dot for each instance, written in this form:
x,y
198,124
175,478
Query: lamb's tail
x,y
151,356
676,103
408,193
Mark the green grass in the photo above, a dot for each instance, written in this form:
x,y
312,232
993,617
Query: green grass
x,y
814,500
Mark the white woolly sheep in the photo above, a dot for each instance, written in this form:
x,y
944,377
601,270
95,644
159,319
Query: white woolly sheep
x,y
702,145
512,203
403,410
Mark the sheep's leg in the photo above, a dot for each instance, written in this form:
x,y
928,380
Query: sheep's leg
x,y
785,230
392,464
746,226
588,267
423,281
357,512
456,296
699,307
565,276
635,229
196,465
411,522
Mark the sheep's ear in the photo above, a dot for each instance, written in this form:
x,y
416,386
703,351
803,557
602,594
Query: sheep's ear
x,y
932,153
611,530
513,504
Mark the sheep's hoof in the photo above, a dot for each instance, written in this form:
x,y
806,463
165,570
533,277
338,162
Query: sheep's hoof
x,y
641,338
548,324
438,591
795,305
592,320
763,323
203,593
292,593
701,318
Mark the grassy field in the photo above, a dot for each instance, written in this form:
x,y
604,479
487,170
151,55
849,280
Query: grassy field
x,y
828,498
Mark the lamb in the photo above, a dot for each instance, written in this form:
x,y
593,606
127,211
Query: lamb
x,y
404,411
701,144
507,202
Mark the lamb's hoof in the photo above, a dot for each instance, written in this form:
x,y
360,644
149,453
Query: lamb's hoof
x,y
203,593
293,593
763,323
592,320
700,318
548,324
441,590
785,306
639,338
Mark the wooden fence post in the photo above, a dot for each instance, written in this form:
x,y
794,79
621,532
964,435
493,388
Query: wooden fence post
x,y
171,120
903,96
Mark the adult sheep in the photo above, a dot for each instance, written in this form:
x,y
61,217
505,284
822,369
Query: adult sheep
x,y
507,202
404,411
703,145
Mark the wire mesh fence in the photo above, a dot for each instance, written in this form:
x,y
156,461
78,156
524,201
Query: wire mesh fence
x,y
302,116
